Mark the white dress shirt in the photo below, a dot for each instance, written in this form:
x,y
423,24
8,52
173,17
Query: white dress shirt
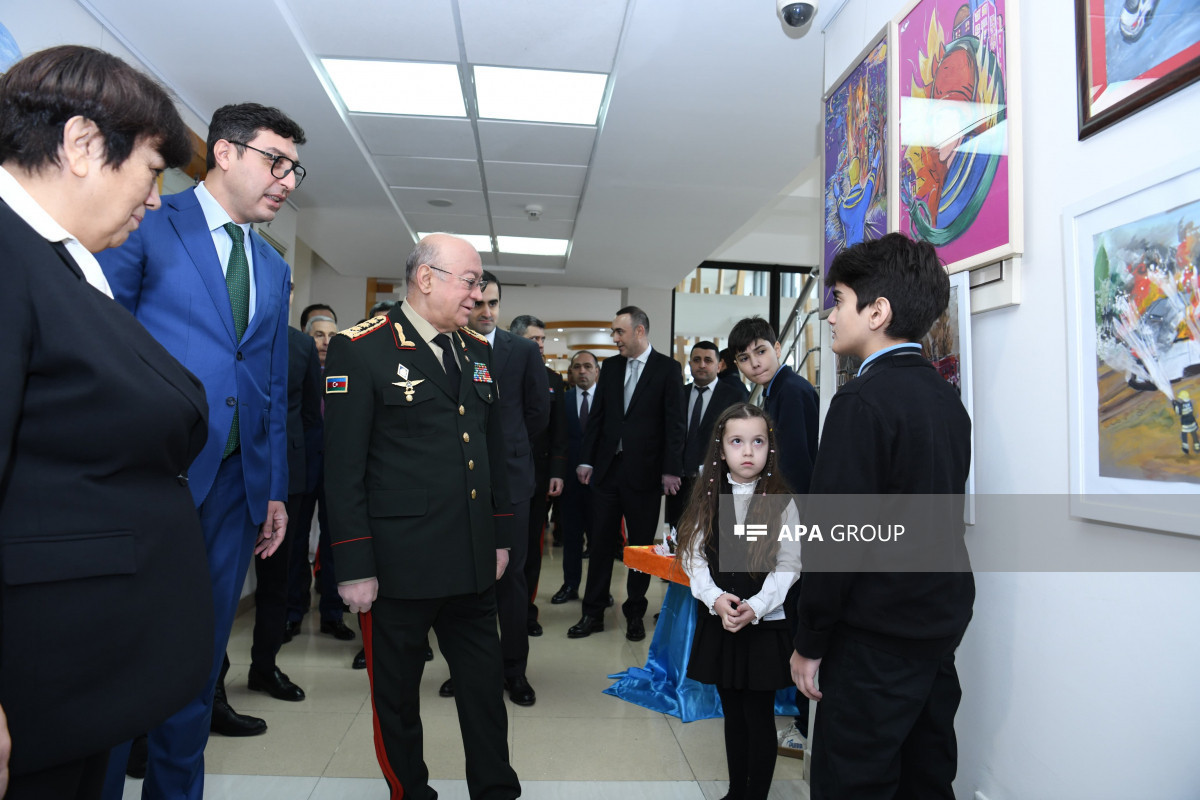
x,y
25,207
694,394
768,603
215,217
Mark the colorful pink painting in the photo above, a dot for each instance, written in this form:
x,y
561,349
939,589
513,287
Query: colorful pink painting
x,y
954,166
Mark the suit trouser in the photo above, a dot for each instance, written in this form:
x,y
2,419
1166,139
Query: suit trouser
x,y
613,499
175,766
538,504
300,576
885,725
271,594
512,598
574,515
394,635
677,503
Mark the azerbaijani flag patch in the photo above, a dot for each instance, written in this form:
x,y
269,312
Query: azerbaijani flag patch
x,y
337,384
481,373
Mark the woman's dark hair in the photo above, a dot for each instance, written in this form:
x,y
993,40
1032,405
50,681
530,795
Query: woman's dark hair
x,y
43,91
701,516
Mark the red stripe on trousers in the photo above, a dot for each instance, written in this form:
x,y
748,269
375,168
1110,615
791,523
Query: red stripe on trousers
x,y
389,774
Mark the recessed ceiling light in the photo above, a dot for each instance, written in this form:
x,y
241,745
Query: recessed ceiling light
x,y
397,87
532,246
480,242
539,95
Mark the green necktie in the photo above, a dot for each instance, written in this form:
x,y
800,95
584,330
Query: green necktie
x,y
237,281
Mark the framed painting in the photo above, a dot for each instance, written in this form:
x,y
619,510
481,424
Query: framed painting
x,y
855,134
957,171
1133,327
1131,53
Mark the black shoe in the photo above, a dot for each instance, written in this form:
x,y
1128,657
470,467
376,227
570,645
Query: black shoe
x,y
519,691
564,595
290,631
635,629
611,602
534,628
337,629
135,767
585,627
360,660
447,688
429,654
276,684
228,722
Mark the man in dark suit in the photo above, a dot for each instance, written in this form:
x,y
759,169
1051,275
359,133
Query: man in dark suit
x,y
107,625
216,296
524,412
703,401
549,464
632,454
575,510
418,504
728,373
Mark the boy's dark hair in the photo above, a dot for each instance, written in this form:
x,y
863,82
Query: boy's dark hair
x,y
492,279
636,317
243,121
909,274
747,332
40,93
308,310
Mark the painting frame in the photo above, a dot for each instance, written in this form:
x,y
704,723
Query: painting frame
x,y
1167,506
884,145
987,224
1179,70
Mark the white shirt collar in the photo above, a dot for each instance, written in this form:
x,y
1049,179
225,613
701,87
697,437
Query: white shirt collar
x,y
215,215
25,207
742,488
491,337
645,356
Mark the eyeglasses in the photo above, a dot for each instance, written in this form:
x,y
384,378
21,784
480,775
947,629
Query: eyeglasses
x,y
470,282
281,166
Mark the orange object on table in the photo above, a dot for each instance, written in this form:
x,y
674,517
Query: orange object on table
x,y
644,559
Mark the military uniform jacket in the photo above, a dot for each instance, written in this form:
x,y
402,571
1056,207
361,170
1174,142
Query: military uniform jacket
x,y
414,467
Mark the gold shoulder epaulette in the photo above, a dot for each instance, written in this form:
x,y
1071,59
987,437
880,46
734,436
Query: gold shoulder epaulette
x,y
366,326
479,337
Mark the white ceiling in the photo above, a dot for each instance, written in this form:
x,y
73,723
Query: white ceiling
x,y
712,112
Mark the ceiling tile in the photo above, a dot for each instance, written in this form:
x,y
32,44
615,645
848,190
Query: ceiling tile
x,y
416,201
505,176
413,31
543,228
445,173
416,136
505,205
535,142
533,263
556,35
434,222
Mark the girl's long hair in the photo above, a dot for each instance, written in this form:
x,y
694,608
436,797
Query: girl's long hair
x,y
701,515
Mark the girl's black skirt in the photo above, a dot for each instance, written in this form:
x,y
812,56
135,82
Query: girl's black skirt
x,y
757,657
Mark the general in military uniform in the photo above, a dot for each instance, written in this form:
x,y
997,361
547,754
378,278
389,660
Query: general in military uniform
x,y
414,477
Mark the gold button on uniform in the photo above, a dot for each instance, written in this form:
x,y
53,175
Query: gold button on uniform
x,y
466,437
461,411
471,464
472,494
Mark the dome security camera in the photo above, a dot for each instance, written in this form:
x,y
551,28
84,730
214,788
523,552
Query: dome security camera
x,y
534,212
797,15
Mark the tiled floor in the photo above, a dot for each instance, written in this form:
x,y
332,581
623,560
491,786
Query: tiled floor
x,y
573,743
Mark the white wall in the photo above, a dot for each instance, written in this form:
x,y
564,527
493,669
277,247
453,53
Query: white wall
x,y
1074,685
347,295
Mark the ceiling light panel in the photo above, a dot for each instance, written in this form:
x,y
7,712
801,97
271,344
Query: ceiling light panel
x,y
397,87
528,245
536,95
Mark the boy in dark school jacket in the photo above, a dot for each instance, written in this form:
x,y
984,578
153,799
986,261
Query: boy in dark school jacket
x,y
883,643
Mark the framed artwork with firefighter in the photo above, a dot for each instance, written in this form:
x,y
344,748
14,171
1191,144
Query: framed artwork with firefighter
x,y
956,165
1133,328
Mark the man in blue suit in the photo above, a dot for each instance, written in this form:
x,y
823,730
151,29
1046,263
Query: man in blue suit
x,y
216,296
